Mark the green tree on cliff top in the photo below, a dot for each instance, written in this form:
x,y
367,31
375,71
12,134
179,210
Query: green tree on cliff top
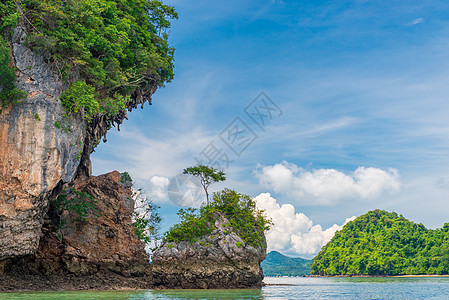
x,y
107,51
207,175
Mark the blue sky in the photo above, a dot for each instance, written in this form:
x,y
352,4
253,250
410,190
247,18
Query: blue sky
x,y
360,83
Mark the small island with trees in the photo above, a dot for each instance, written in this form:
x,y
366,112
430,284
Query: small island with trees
x,y
219,245
384,243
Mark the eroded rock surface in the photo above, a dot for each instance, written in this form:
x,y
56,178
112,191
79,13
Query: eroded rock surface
x,y
35,155
218,260
106,242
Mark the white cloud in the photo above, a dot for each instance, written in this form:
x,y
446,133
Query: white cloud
x,y
329,126
157,188
328,186
416,21
166,154
293,233
181,190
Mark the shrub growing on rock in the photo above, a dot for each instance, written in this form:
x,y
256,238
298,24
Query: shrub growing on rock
x,y
240,210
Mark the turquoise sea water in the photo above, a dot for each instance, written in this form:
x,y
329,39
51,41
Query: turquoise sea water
x,y
280,288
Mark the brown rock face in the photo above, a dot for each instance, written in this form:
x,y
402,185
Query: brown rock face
x,y
218,260
105,242
35,155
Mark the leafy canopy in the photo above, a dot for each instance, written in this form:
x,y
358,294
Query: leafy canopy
x,y
107,50
207,175
240,210
383,243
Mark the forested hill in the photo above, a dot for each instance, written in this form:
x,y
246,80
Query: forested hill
x,y
277,264
384,243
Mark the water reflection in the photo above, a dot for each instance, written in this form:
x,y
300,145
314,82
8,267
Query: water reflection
x,y
206,294
137,295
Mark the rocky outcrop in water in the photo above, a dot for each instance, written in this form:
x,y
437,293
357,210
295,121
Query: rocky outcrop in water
x,y
105,242
219,260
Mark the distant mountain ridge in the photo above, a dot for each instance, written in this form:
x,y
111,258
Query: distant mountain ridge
x,y
277,264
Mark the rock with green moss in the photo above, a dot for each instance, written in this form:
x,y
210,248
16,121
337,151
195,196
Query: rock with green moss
x,y
220,259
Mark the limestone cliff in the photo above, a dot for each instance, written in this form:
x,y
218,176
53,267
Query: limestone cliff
x,y
220,259
41,149
35,155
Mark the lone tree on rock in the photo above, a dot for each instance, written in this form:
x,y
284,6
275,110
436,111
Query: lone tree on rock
x,y
207,175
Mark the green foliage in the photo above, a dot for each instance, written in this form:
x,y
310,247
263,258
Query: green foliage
x,y
8,91
277,264
207,175
8,16
36,116
80,206
81,96
193,225
106,50
383,243
146,218
240,210
126,178
146,223
95,142
80,149
58,124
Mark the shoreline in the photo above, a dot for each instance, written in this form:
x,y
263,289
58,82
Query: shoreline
x,y
108,281
105,281
366,276
363,276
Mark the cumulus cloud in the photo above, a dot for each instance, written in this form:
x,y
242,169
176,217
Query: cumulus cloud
x,y
328,186
182,190
156,188
294,233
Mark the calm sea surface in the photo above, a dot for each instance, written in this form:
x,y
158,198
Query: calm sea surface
x,y
282,288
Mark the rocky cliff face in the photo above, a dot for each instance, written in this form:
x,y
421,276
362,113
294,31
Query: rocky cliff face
x,y
41,148
35,155
218,260
106,242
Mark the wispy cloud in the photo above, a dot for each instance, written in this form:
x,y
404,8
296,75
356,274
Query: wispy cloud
x,y
416,21
144,157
